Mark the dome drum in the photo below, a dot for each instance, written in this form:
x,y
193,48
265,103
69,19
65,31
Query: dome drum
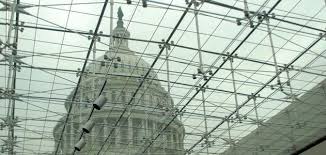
x,y
132,131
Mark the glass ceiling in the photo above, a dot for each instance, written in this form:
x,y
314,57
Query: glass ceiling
x,y
52,42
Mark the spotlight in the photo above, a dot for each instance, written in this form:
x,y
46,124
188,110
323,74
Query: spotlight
x,y
194,76
115,65
118,59
80,144
99,102
144,3
106,57
238,22
88,126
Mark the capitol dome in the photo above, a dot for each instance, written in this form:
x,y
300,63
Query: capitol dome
x,y
124,71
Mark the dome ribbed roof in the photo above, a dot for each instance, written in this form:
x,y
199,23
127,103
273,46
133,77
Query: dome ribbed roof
x,y
124,69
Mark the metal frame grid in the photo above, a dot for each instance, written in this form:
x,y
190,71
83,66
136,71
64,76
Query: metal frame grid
x,y
229,66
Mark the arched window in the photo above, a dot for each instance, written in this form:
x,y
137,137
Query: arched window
x,y
124,130
160,102
121,67
123,97
150,100
113,96
138,132
169,141
101,128
68,132
150,128
180,141
110,126
175,142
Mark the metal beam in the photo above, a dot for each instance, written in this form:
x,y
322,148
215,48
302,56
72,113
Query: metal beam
x,y
258,91
158,42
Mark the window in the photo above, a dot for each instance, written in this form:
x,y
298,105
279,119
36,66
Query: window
x,y
123,95
142,98
124,130
180,141
150,128
101,134
175,142
109,127
169,138
68,132
122,67
150,102
113,96
138,132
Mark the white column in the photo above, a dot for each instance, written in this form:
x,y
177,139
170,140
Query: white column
x,y
130,135
104,131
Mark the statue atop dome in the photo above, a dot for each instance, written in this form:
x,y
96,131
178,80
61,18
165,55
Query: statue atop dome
x,y
120,15
120,33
